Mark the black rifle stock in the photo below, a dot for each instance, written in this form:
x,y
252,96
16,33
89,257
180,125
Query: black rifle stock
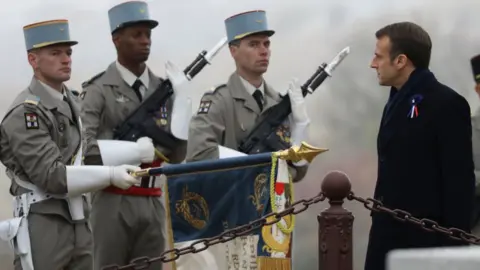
x,y
142,123
263,137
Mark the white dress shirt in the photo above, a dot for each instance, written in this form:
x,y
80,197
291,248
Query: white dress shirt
x,y
251,89
54,93
130,78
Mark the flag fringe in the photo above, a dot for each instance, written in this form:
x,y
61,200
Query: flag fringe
x,y
269,263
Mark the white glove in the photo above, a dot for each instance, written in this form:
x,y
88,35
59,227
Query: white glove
x,y
299,133
299,120
297,102
146,149
84,179
175,75
182,103
121,178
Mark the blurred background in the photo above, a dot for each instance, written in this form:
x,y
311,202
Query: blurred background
x,y
345,110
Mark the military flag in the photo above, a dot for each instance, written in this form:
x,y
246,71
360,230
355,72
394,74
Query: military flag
x,y
205,198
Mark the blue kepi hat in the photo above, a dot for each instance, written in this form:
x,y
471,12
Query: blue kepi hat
x,y
46,33
130,13
246,24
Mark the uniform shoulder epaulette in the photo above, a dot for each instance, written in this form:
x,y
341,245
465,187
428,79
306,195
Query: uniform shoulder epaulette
x,y
214,89
91,80
31,100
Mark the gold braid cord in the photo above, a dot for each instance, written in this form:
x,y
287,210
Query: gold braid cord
x,y
294,154
272,196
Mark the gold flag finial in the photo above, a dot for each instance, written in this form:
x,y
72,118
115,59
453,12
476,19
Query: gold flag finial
x,y
141,173
304,151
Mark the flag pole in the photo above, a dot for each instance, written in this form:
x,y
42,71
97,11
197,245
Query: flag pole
x,y
294,154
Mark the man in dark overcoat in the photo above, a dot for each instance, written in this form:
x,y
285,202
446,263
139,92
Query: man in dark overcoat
x,y
424,147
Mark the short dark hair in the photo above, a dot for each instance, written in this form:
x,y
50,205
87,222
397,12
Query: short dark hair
x,y
235,42
410,39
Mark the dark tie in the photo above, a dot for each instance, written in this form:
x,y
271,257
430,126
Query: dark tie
x,y
258,96
136,87
70,107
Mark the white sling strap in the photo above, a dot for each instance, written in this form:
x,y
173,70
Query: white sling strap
x,y
36,195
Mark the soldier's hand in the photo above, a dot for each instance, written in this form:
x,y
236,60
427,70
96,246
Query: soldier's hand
x,y
146,149
299,117
182,102
176,77
477,89
297,102
120,176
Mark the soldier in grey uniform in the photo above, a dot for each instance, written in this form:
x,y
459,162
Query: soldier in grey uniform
x,y
127,223
475,62
41,148
227,114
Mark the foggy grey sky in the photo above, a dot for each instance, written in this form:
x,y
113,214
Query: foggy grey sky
x,y
308,32
186,27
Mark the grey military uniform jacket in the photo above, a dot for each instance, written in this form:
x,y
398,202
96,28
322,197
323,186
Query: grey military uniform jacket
x,y
225,117
40,135
107,101
476,148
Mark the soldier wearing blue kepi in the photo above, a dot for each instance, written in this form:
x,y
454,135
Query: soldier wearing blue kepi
x,y
227,114
127,224
41,148
475,63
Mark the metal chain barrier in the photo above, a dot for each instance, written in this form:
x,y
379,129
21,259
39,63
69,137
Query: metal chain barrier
x,y
228,235
369,203
426,224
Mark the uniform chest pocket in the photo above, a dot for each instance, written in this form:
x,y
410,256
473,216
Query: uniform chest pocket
x,y
122,107
62,127
245,121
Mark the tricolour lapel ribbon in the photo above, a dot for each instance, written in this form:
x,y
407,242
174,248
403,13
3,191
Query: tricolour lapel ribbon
x,y
413,113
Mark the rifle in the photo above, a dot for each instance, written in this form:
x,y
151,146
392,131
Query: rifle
x,y
141,122
263,137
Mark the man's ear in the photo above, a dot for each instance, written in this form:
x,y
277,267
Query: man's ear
x,y
32,57
401,61
233,46
116,38
233,50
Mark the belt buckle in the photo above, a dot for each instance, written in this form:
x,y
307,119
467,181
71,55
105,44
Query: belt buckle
x,y
17,206
20,204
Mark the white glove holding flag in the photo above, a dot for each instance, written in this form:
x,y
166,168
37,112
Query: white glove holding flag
x,y
182,104
85,179
146,149
299,120
121,178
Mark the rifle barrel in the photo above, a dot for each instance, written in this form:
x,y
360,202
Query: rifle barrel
x,y
203,59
